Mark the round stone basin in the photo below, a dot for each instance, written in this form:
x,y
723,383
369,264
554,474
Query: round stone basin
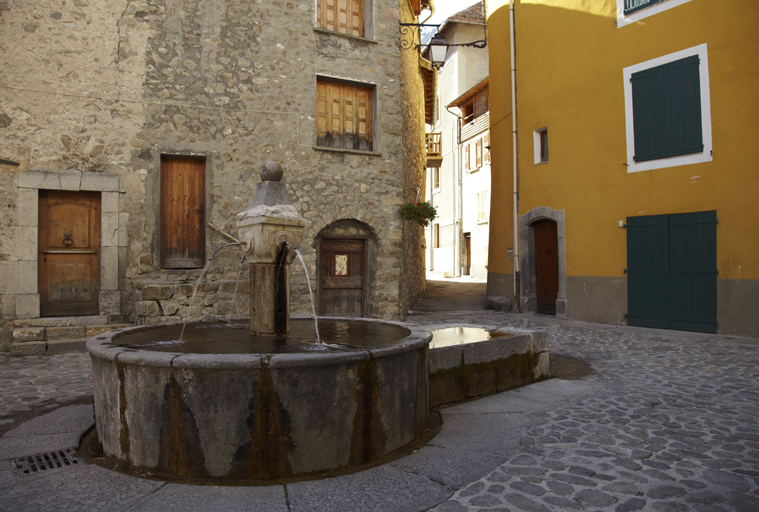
x,y
228,406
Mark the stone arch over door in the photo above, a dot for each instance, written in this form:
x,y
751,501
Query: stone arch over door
x,y
528,279
346,253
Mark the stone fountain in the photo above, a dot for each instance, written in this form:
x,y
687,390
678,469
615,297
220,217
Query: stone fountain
x,y
226,404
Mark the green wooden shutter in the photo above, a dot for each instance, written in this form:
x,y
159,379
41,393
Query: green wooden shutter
x,y
682,97
693,271
649,123
635,5
667,110
648,271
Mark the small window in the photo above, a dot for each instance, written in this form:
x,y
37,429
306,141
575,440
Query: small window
x,y
540,141
344,116
486,149
467,112
435,177
341,16
482,211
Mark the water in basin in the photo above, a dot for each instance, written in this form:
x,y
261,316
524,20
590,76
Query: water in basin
x,y
460,335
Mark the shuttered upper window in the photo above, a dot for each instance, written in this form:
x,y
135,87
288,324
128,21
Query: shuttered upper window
x,y
342,16
667,111
635,5
344,116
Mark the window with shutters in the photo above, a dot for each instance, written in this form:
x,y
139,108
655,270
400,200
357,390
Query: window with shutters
x,y
478,153
631,11
486,148
467,157
482,207
341,16
667,111
540,145
344,116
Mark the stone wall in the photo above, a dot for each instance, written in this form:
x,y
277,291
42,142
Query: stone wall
x,y
112,86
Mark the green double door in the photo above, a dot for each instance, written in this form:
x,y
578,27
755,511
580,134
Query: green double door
x,y
672,271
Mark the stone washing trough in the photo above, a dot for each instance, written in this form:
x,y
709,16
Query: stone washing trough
x,y
471,361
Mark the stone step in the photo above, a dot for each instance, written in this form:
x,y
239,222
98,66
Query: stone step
x,y
39,340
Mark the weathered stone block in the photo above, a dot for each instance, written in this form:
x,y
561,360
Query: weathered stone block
x,y
169,307
28,334
100,181
205,288
147,308
109,268
94,330
71,179
110,302
27,306
27,239
155,291
9,277
498,303
39,180
27,277
65,333
28,207
498,348
444,358
110,202
28,348
123,232
210,299
109,230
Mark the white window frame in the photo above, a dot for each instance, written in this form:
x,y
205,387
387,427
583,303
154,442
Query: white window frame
x,y
623,21
706,112
536,145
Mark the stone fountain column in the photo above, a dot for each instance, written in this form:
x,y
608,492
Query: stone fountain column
x,y
263,228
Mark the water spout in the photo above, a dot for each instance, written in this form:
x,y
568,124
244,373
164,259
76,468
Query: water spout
x,y
308,280
200,278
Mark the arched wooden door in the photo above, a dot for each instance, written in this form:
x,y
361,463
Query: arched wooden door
x,y
342,277
546,265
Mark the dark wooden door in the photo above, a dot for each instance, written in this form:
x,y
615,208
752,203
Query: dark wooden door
x,y
468,265
183,211
69,252
546,266
342,282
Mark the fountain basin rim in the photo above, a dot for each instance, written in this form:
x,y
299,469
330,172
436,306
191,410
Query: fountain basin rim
x,y
102,346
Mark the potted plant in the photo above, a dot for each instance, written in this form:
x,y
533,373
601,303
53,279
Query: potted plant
x,y
421,213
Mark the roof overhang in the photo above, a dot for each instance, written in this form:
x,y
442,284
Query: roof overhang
x,y
471,93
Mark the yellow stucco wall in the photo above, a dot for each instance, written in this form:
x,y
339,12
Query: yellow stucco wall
x,y
570,60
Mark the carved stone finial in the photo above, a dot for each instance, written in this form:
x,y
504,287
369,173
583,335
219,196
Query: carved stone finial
x,y
271,171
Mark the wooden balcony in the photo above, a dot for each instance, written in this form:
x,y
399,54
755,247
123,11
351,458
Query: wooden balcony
x,y
434,149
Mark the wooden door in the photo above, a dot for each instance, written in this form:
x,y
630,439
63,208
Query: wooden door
x,y
342,281
69,252
468,264
546,266
183,211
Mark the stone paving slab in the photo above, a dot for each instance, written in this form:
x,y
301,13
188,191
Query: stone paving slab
x,y
181,498
385,488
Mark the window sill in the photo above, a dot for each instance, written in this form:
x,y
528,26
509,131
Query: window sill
x,y
343,150
347,36
482,221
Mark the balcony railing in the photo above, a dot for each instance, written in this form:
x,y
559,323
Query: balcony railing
x,y
434,149
472,126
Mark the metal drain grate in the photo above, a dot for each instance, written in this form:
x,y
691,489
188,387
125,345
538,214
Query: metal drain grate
x,y
43,461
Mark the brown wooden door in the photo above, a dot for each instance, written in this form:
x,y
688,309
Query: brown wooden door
x,y
546,266
342,277
69,252
183,217
468,264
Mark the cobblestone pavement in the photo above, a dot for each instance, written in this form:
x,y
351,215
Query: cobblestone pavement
x,y
673,427
32,385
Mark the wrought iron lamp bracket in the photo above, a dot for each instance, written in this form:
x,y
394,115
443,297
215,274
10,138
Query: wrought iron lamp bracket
x,y
411,32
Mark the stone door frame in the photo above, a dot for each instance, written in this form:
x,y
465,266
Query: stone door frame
x,y
527,278
113,240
